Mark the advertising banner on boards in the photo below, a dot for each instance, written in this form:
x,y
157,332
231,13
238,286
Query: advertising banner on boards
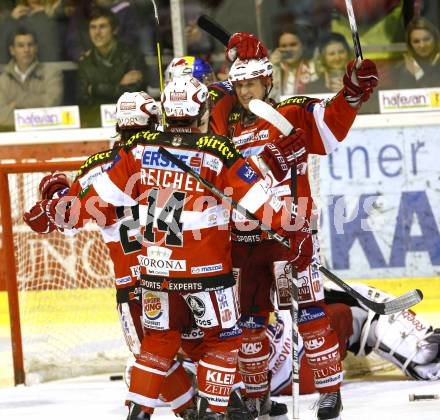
x,y
379,191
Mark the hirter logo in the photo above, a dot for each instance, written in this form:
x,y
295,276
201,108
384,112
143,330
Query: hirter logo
x,y
178,96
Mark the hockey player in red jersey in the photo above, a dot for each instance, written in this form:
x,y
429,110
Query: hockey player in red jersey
x,y
320,126
120,228
186,244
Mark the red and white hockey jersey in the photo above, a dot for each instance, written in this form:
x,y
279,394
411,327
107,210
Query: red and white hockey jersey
x,y
185,228
326,124
119,226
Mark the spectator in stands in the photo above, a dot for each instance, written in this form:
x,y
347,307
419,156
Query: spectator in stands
x,y
421,63
77,38
379,23
333,58
109,68
292,71
26,83
38,16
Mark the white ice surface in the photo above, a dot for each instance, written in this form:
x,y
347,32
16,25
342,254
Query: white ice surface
x,y
97,397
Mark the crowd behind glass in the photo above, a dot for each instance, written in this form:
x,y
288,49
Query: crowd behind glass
x,y
88,52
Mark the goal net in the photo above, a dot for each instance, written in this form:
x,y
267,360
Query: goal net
x,y
69,322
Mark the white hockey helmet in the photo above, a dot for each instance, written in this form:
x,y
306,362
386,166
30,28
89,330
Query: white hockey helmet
x,y
250,69
135,109
183,98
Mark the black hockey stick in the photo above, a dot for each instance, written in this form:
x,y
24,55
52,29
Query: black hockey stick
x,y
353,28
383,308
295,309
213,28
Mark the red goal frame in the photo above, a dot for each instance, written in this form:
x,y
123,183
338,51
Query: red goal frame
x,y
9,253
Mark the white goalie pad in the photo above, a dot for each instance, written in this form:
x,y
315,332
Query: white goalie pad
x,y
401,338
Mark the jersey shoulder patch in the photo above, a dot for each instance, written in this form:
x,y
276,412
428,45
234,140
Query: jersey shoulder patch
x,y
145,137
96,160
219,146
300,101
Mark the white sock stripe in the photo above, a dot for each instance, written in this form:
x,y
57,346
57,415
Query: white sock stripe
x,y
313,355
216,367
141,400
182,399
151,370
255,359
176,364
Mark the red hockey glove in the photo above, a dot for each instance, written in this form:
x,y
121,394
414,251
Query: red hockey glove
x,y
244,46
284,152
37,219
301,248
360,82
51,184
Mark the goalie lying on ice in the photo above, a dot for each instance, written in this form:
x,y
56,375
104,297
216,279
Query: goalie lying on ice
x,y
404,339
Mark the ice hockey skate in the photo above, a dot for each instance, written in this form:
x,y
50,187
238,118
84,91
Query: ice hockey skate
x,y
237,409
329,406
203,414
277,409
135,412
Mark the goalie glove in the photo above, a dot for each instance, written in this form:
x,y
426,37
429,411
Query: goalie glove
x,y
244,46
53,186
285,152
359,81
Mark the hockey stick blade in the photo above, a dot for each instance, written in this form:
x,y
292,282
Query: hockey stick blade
x,y
403,302
353,28
382,308
395,305
213,28
264,110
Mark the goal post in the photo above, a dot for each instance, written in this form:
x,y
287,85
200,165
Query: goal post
x,y
61,295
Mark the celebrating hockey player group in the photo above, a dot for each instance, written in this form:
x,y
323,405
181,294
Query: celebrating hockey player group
x,y
193,277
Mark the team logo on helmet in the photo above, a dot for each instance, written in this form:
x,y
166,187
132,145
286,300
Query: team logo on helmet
x,y
178,96
192,66
177,141
134,109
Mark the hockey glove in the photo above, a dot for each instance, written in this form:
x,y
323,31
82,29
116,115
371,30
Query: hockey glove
x,y
51,184
301,248
359,83
37,219
244,46
284,152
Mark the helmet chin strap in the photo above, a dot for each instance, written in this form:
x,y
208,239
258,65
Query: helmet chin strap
x,y
269,87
